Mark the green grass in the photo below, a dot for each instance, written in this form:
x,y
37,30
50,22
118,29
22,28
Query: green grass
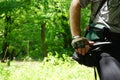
x,y
51,68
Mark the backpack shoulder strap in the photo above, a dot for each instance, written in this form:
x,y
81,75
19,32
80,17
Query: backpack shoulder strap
x,y
100,6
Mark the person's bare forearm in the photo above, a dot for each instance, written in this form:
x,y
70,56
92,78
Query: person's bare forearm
x,y
80,44
75,18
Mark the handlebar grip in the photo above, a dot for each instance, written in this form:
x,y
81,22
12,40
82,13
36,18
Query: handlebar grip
x,y
101,43
98,44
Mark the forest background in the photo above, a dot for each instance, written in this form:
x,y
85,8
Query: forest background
x,y
35,30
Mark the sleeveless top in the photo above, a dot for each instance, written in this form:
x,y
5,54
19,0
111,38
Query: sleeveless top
x,y
109,14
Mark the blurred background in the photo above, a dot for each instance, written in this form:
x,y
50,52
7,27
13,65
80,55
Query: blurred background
x,y
35,28
35,41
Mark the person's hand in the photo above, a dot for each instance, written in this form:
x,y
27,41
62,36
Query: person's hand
x,y
81,45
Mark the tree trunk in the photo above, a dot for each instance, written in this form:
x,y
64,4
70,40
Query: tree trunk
x,y
66,34
43,43
5,52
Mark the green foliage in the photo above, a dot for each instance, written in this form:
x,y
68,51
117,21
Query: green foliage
x,y
52,68
20,32
24,26
85,18
9,5
4,72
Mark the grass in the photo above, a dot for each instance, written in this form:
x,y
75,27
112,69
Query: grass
x,y
51,68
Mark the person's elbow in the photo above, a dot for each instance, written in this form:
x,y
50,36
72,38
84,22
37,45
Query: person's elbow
x,y
75,4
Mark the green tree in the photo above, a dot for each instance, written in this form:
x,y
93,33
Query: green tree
x,y
33,28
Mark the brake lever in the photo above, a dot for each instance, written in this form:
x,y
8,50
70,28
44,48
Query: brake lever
x,y
98,44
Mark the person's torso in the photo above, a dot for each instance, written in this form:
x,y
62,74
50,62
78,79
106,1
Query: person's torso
x,y
109,13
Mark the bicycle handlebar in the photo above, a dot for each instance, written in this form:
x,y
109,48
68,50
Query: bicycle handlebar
x,y
98,44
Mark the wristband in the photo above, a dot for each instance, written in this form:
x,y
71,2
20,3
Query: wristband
x,y
74,37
